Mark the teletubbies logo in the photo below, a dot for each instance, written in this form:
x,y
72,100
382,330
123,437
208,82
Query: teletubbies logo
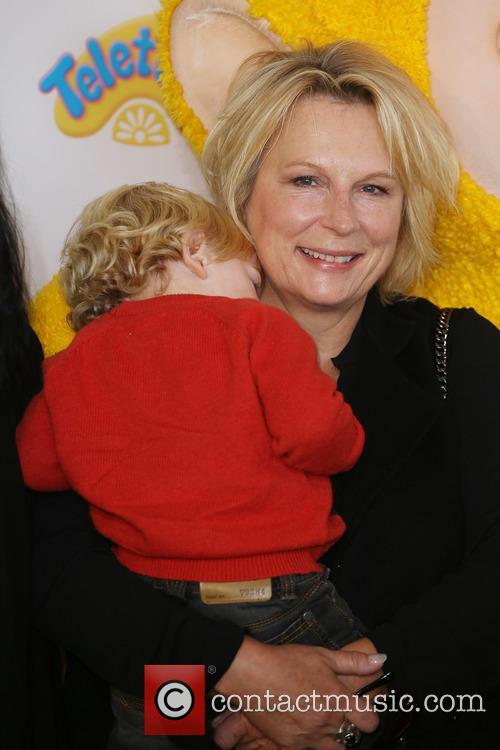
x,y
115,75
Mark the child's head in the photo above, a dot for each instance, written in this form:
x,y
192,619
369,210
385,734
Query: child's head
x,y
127,237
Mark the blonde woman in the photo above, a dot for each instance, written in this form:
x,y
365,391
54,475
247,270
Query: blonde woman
x,y
334,165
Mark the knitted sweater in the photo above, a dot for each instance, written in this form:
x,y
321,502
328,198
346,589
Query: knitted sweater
x,y
192,425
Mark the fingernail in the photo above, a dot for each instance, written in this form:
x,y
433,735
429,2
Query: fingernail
x,y
377,658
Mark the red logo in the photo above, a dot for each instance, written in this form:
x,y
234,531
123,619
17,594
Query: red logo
x,y
174,699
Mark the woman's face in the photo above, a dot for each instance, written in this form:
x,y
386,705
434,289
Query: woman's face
x,y
325,209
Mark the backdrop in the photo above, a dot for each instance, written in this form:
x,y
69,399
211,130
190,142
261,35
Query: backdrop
x,y
82,110
81,113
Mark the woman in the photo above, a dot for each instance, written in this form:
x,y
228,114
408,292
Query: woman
x,y
334,164
20,378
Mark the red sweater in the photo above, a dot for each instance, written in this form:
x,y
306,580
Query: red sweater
x,y
202,433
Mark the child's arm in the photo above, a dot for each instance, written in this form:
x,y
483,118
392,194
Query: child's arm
x,y
37,449
312,427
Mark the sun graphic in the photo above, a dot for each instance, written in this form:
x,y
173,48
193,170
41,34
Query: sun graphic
x,y
141,125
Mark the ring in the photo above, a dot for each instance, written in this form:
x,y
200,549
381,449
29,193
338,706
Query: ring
x,y
348,734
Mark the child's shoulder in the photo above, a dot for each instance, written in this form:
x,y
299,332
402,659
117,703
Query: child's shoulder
x,y
246,307
253,322
245,312
88,333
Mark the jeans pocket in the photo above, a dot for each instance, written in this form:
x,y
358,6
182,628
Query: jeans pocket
x,y
335,616
304,628
318,617
282,610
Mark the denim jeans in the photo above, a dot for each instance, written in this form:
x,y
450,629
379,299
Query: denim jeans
x,y
303,609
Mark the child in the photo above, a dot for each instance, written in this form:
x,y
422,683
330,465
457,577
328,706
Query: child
x,y
193,418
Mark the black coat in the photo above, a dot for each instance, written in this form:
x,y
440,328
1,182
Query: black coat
x,y
419,562
28,663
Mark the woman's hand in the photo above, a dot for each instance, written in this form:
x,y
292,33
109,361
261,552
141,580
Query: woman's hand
x,y
353,681
304,674
232,729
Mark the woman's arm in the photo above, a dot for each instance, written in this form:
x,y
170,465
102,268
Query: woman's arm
x,y
106,615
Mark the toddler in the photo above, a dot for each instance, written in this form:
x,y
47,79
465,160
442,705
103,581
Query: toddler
x,y
195,420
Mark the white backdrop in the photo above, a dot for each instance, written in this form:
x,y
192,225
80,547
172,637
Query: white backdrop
x,y
52,174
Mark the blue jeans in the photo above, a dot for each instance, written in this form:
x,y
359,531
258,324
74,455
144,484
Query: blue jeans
x,y
303,609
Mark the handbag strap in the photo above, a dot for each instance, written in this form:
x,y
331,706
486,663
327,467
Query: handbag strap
x,y
440,348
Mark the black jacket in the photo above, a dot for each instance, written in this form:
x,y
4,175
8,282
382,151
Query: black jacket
x,y
25,662
419,563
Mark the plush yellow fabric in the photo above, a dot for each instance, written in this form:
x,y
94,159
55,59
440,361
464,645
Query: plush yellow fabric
x,y
48,318
178,109
469,241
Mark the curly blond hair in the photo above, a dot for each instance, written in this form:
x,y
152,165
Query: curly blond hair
x,y
127,235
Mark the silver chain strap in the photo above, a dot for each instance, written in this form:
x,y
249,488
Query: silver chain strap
x,y
441,343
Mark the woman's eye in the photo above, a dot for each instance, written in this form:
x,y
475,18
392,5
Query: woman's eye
x,y
304,181
373,189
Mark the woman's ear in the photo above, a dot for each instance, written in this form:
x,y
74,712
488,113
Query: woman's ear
x,y
208,42
195,253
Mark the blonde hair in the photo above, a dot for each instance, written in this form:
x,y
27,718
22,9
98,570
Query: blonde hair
x,y
263,95
123,237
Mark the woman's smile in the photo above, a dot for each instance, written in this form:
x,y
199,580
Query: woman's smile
x,y
336,259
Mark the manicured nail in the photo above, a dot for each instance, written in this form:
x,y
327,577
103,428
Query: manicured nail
x,y
377,658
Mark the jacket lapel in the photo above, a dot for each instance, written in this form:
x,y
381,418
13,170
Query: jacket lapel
x,y
395,411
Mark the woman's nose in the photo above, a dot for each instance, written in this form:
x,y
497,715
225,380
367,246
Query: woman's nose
x,y
339,213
